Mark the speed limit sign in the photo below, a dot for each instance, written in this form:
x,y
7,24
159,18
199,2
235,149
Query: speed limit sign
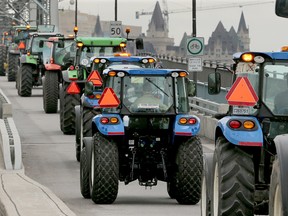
x,y
115,29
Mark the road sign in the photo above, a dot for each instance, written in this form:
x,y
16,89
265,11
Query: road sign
x,y
195,46
242,93
115,28
195,64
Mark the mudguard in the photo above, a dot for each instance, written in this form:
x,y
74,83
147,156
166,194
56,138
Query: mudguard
x,y
68,74
109,129
52,67
28,59
243,137
281,143
91,103
186,129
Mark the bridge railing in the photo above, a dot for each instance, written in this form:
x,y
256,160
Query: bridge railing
x,y
10,145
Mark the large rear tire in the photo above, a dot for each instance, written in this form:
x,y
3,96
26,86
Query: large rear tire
x,y
206,194
275,197
84,174
233,180
3,56
12,66
25,84
50,92
104,170
189,160
78,131
68,106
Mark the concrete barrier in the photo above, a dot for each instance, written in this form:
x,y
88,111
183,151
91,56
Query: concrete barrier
x,y
19,194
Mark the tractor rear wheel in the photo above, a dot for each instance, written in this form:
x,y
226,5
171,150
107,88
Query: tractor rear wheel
x,y
189,160
233,180
206,194
2,60
78,131
25,82
50,92
104,174
12,66
69,101
84,174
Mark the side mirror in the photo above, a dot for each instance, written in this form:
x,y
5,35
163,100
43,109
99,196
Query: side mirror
x,y
214,83
139,43
281,8
88,90
191,88
60,44
41,43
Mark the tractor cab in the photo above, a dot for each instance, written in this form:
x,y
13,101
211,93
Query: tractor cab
x,y
260,88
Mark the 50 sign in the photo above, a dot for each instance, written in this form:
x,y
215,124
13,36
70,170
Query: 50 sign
x,y
115,29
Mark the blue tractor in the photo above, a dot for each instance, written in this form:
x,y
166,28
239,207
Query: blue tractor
x,y
89,106
248,172
144,132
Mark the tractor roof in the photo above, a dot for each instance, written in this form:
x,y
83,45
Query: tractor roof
x,y
269,55
148,71
52,34
122,58
100,41
30,28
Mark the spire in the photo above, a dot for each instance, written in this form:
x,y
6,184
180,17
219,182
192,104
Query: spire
x,y
157,18
98,30
242,24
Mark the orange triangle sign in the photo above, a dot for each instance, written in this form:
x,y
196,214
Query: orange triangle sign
x,y
242,93
95,77
108,98
73,88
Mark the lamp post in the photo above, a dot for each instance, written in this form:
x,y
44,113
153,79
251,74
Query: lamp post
x,y
194,35
115,10
76,25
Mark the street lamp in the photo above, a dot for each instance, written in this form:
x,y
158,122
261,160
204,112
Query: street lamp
x,y
76,8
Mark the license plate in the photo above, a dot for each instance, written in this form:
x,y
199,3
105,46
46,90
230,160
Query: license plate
x,y
240,110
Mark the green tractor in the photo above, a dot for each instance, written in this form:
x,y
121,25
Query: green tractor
x,y
31,68
75,76
17,48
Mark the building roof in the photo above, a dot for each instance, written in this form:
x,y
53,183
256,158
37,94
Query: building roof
x,y
157,19
242,24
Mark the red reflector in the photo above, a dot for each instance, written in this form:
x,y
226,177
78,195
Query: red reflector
x,y
235,124
104,120
95,77
250,143
71,67
73,88
192,121
21,45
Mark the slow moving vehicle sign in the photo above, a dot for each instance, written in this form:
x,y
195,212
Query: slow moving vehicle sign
x,y
242,93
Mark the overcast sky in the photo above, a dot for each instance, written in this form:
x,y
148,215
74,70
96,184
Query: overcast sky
x,y
268,32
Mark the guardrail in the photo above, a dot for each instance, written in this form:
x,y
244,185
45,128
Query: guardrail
x,y
10,143
205,109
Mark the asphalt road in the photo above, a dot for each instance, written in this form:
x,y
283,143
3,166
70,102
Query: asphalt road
x,y
49,158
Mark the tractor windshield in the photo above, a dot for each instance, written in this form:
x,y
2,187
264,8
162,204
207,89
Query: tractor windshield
x,y
35,48
275,88
89,51
148,94
65,55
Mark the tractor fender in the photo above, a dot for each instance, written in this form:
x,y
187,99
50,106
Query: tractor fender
x,y
241,136
281,142
69,75
109,129
65,76
87,141
28,59
52,67
186,129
